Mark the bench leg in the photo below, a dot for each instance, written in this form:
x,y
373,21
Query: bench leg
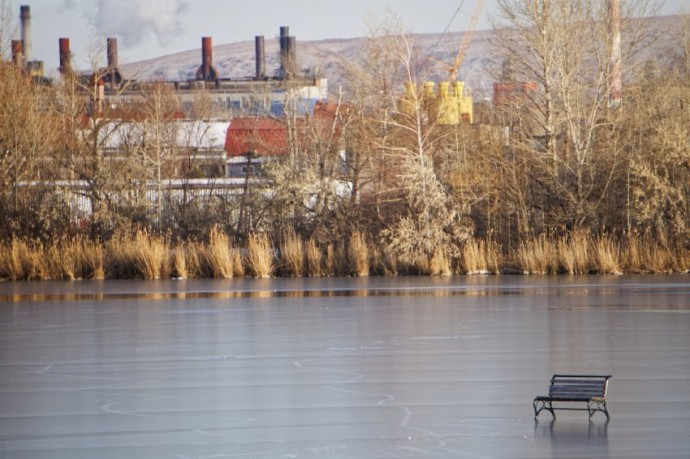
x,y
597,405
541,405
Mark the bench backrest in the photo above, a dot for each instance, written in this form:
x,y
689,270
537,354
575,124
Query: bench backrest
x,y
579,386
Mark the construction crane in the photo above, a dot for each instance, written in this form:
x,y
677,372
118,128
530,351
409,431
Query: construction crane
x,y
466,39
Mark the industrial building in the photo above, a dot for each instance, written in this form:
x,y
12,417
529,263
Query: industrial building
x,y
114,102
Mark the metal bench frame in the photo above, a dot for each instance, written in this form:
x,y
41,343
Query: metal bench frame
x,y
590,389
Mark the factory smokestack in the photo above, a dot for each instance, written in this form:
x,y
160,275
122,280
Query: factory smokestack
x,y
260,57
615,62
111,45
207,72
64,55
17,53
288,53
25,18
113,76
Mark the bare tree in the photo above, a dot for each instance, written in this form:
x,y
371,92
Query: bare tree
x,y
28,137
565,49
403,147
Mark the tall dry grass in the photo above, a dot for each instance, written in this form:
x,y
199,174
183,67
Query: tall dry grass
x,y
151,257
179,262
607,255
574,253
645,255
480,257
384,262
216,257
537,256
145,256
72,259
358,255
439,264
21,260
292,255
332,260
93,259
313,259
260,258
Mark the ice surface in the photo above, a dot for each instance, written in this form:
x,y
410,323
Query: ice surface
x,y
341,368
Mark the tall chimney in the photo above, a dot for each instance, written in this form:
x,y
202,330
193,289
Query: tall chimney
x,y
260,57
207,71
25,18
111,45
615,62
17,53
284,51
206,55
64,55
113,76
292,56
288,53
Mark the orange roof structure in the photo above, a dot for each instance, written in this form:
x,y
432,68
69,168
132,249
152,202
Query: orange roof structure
x,y
259,136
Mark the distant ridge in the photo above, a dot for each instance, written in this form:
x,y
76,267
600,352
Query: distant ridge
x,y
236,60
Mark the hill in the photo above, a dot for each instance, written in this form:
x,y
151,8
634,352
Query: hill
x,y
236,60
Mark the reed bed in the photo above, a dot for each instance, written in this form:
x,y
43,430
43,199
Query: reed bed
x,y
313,259
146,256
358,255
574,253
607,255
292,255
480,257
537,256
259,258
216,259
20,260
439,264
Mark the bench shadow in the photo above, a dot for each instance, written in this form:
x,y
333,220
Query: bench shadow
x,y
566,437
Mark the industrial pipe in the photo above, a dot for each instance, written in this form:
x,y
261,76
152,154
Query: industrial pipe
x,y
64,55
260,57
25,18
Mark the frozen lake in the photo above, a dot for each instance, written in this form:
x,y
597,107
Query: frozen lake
x,y
341,368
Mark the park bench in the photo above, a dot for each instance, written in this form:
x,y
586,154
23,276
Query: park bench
x,y
588,389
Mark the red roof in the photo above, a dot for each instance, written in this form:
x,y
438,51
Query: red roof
x,y
259,136
268,136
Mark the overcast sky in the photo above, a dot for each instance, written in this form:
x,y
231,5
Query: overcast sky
x,y
152,28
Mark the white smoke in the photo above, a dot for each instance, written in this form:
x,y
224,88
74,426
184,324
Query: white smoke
x,y
134,21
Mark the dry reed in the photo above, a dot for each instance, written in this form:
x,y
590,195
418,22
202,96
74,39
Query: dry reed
x,y
151,256
607,255
20,260
313,259
237,265
93,259
480,257
331,260
439,264
384,262
574,253
537,256
292,255
259,258
179,262
216,259
358,255
145,256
